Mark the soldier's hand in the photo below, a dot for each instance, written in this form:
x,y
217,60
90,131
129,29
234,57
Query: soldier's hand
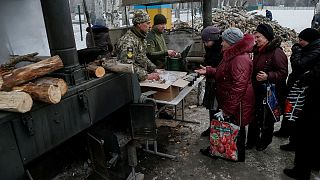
x,y
153,76
171,53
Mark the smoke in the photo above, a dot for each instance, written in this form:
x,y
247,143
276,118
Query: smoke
x,y
179,42
22,28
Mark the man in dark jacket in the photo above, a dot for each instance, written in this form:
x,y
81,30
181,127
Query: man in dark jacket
x,y
306,66
157,50
269,14
304,52
101,38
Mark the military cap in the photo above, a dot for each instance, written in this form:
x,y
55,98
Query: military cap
x,y
140,16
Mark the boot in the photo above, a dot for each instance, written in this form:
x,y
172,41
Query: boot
x,y
288,147
281,134
206,133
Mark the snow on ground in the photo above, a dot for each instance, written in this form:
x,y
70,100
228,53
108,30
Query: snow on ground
x,y
293,19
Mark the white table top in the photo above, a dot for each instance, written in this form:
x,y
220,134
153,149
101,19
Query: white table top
x,y
185,91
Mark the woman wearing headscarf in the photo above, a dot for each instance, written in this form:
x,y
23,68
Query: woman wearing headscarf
x,y
211,38
233,78
270,65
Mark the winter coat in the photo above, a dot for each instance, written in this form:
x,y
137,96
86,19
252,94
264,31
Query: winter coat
x,y
212,58
233,79
101,38
272,60
303,59
308,60
157,50
213,54
131,49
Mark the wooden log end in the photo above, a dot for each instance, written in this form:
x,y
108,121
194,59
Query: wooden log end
x,y
100,72
15,101
54,94
26,103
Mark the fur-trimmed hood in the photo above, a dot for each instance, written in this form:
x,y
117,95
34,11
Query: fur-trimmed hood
x,y
244,45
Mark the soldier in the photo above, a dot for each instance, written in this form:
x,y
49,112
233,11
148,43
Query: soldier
x,y
157,50
131,47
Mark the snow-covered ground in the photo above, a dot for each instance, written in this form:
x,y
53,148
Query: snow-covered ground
x,y
293,19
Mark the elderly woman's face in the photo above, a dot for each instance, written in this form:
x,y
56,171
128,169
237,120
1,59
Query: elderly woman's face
x,y
260,39
225,45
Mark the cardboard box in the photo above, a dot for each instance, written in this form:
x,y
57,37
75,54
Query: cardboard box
x,y
166,91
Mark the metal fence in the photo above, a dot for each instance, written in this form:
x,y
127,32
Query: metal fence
x,y
287,8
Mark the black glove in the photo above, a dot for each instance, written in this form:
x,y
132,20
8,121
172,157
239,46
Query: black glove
x,y
296,48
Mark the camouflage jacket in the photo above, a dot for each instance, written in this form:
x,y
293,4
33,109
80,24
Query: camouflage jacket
x,y
156,48
131,49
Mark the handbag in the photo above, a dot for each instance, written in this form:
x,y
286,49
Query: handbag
x,y
223,139
272,102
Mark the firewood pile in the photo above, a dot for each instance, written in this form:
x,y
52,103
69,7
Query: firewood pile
x,y
247,22
20,86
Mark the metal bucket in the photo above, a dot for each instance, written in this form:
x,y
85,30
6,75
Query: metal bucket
x,y
174,64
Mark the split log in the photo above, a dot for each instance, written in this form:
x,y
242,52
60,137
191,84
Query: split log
x,y
15,101
118,67
95,70
16,59
53,81
45,92
30,72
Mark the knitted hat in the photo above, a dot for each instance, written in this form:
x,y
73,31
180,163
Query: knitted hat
x,y
210,33
232,35
309,34
140,17
266,30
159,19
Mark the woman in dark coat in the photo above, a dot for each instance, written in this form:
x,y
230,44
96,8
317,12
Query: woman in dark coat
x,y
306,72
233,78
211,38
270,65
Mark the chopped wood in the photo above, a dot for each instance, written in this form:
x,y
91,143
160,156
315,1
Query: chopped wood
x,y
96,71
30,72
45,92
53,81
15,101
118,67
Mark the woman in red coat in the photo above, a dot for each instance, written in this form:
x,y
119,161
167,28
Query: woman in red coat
x,y
233,78
270,65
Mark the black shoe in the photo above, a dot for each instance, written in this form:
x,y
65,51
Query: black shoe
x,y
288,147
261,147
206,152
250,145
165,115
206,132
281,134
291,173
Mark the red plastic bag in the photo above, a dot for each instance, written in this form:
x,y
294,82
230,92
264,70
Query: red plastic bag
x,y
223,139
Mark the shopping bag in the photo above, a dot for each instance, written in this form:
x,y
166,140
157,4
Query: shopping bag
x,y
295,102
271,102
223,139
